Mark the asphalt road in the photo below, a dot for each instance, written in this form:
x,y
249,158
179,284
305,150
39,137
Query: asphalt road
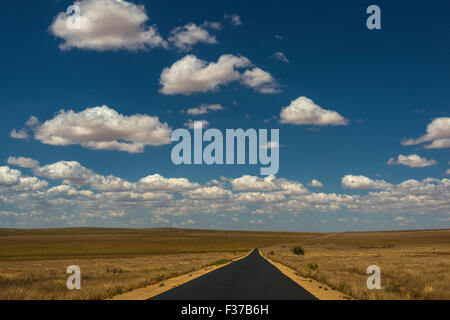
x,y
251,278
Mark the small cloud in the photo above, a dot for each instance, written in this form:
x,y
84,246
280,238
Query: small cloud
x,y
260,80
274,118
32,122
204,109
270,145
235,20
315,184
413,161
280,57
190,124
21,134
277,36
187,36
363,183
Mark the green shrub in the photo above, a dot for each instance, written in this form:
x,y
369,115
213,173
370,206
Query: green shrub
x,y
298,251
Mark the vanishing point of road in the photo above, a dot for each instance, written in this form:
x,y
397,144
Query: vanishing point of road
x,y
251,278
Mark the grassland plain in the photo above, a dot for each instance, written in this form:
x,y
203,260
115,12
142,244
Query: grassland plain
x,y
414,264
114,261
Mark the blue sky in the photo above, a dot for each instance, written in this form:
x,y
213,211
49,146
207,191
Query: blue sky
x,y
385,85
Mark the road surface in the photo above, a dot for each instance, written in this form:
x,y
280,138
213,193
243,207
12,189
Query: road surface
x,y
251,278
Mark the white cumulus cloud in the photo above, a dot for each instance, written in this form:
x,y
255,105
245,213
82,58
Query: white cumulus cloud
x,y
157,182
107,25
260,80
413,161
304,111
315,183
185,37
363,183
438,133
191,75
22,162
9,176
102,128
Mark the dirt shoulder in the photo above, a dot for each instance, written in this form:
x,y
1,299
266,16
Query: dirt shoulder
x,y
157,289
317,289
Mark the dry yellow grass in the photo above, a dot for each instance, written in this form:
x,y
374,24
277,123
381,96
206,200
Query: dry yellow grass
x,y
101,278
414,264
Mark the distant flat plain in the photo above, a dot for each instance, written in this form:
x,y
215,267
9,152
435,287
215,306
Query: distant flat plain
x,y
415,264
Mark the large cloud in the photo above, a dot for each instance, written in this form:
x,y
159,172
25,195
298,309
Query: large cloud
x,y
304,111
413,161
192,75
363,183
102,128
107,25
438,133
